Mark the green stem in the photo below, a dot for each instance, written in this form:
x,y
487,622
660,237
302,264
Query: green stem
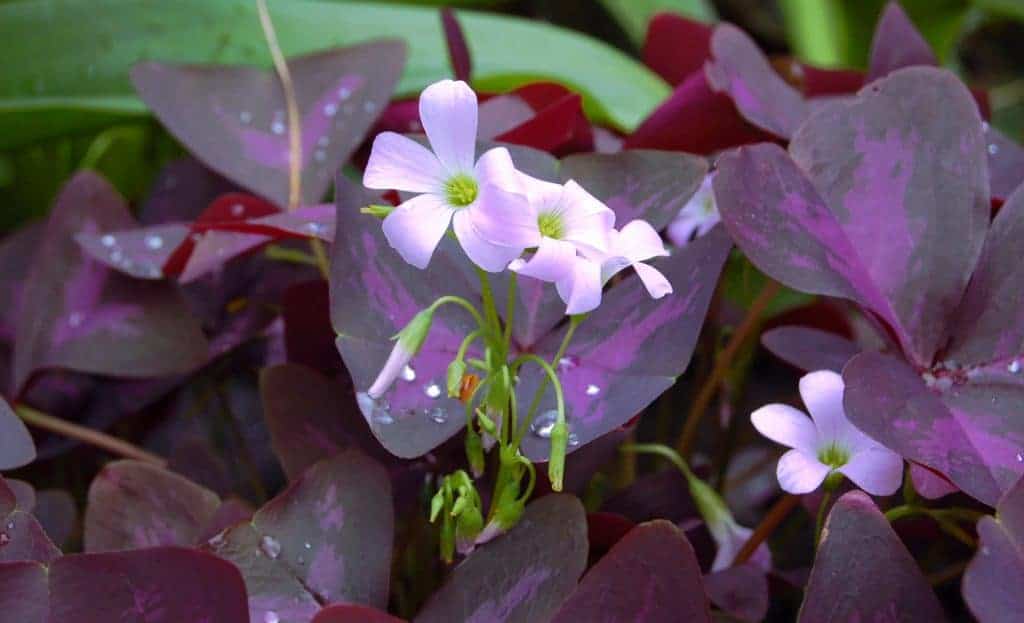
x,y
574,322
820,521
461,302
550,377
322,261
510,310
113,445
490,311
284,254
664,452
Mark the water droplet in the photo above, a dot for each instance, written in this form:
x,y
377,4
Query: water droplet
x,y
593,390
330,109
567,363
237,210
271,617
314,228
270,546
75,319
217,541
984,126
432,390
993,149
573,440
1020,457
154,242
277,127
375,410
1014,367
245,117
116,256
344,92
10,525
408,374
369,106
155,272
437,415
108,240
319,155
544,424
307,546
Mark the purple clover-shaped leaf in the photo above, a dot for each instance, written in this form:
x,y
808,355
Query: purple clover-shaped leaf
x,y
135,505
993,580
809,349
21,536
77,314
326,538
1005,163
651,574
57,514
16,445
741,591
163,585
233,118
862,572
522,576
897,44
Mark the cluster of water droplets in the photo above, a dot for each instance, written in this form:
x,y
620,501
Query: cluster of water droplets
x,y
5,538
543,425
117,257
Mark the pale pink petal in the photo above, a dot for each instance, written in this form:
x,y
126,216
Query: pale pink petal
x,y
800,473
397,360
402,164
415,228
730,538
706,225
581,292
448,112
544,196
587,221
822,392
877,470
505,218
552,262
655,282
496,167
786,425
681,230
490,257
638,241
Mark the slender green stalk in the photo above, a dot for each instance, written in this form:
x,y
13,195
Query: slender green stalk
x,y
284,254
113,445
510,309
461,302
664,452
574,322
820,521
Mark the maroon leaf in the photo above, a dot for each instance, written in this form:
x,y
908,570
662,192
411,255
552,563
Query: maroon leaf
x,y
862,572
458,50
558,124
741,591
522,576
897,44
676,47
740,69
809,349
233,118
21,536
134,505
650,575
77,314
347,613
993,580
16,445
326,538
24,594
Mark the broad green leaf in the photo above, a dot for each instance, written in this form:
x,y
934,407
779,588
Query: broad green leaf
x,y
75,76
633,15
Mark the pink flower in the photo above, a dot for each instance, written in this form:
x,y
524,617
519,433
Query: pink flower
x,y
827,442
452,187
730,537
631,246
697,217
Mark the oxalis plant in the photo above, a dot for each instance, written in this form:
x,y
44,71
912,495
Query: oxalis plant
x,y
367,343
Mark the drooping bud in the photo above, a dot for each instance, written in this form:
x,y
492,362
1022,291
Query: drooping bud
x,y
407,344
559,443
456,370
475,451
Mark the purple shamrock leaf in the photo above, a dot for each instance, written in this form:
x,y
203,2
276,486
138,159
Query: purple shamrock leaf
x,y
56,511
233,118
1005,163
741,591
21,536
862,572
16,445
163,585
809,349
651,574
77,314
523,576
992,582
897,44
326,538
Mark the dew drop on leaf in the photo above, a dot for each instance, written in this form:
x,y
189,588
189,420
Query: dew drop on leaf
x,y
271,617
408,374
437,415
108,240
544,424
432,390
154,242
270,546
593,390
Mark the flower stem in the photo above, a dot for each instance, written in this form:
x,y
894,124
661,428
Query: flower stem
x,y
294,123
722,364
323,262
89,436
820,521
574,322
768,525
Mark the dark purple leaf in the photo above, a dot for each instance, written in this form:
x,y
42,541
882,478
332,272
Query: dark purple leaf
x,y
969,431
458,50
77,314
347,613
16,445
741,70
1005,163
992,583
862,572
661,495
24,494
741,591
308,335
24,594
326,538
902,170
929,483
134,505
523,576
650,575
55,509
990,322
897,44
809,349
181,191
21,536
233,118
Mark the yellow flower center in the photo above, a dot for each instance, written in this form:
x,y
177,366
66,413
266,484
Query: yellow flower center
x,y
461,190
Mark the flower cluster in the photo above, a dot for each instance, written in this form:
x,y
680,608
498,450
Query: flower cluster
x,y
502,217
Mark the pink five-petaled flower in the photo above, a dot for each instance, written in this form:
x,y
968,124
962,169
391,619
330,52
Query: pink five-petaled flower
x,y
697,217
827,442
559,222
452,186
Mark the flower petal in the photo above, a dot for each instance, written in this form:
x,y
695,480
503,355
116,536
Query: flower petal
x,y
488,256
786,425
655,282
448,112
402,164
505,218
496,167
822,392
587,221
582,291
415,228
553,261
800,473
877,470
397,360
638,241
